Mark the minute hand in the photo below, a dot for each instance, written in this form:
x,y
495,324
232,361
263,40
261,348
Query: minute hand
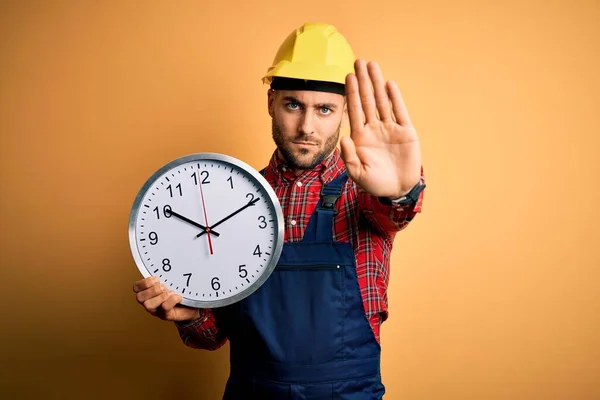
x,y
251,203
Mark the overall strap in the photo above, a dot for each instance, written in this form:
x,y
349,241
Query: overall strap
x,y
320,227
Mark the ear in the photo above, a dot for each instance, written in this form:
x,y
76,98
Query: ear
x,y
344,121
271,96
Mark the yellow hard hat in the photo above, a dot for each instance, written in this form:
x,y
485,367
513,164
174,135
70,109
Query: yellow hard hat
x,y
315,52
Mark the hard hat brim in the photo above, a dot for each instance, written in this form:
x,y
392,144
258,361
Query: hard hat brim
x,y
279,83
307,71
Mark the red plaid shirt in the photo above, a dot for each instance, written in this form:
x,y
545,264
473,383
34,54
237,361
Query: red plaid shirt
x,y
363,220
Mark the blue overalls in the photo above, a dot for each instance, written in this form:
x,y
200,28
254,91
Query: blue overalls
x,y
304,333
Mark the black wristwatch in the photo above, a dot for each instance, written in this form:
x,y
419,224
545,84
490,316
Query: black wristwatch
x,y
409,198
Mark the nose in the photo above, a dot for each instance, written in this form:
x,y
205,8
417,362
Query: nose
x,y
307,123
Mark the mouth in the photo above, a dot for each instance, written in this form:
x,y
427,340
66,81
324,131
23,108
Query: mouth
x,y
300,143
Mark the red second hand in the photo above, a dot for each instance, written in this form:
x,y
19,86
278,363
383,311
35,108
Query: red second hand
x,y
205,218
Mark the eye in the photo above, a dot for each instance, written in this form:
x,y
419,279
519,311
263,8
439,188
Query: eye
x,y
292,106
325,110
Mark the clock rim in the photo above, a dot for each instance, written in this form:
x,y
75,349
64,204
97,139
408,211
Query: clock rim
x,y
272,197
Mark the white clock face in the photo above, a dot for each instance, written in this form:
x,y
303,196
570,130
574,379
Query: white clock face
x,y
209,226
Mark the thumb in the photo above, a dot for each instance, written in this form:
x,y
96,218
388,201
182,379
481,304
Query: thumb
x,y
350,157
183,313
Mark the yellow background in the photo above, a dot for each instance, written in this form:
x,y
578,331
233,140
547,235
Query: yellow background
x,y
495,288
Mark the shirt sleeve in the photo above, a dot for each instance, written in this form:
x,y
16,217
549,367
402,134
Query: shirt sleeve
x,y
389,218
203,332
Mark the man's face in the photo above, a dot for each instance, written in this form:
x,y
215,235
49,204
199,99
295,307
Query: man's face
x,y
306,125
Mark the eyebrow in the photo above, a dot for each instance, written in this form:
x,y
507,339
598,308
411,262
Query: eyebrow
x,y
318,105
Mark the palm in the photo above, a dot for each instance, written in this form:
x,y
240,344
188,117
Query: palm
x,y
382,154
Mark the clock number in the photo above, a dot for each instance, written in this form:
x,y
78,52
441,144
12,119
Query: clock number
x,y
166,265
215,283
257,251
243,272
204,177
188,278
153,236
230,180
165,208
176,187
263,222
251,197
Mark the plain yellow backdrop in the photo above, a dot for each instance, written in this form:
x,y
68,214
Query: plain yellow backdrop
x,y
495,287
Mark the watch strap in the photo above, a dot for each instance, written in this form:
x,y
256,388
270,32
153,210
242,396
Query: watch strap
x,y
409,198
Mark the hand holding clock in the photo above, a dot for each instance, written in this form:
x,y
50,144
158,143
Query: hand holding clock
x,y
161,302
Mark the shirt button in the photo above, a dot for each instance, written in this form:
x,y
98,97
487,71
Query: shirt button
x,y
299,183
293,222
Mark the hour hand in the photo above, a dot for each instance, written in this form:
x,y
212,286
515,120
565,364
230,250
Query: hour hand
x,y
189,221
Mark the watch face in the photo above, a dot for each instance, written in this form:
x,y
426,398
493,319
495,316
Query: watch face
x,y
209,226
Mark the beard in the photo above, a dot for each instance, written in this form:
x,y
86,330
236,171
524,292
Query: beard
x,y
292,159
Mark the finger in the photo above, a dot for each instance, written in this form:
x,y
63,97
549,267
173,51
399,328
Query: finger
x,y
382,100
348,154
172,300
365,89
355,112
171,311
151,305
400,111
149,293
145,284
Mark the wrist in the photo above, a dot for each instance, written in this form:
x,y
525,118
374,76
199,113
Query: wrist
x,y
409,197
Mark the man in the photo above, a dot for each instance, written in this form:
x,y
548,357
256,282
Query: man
x,y
312,330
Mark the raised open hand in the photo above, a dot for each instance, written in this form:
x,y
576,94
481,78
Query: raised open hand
x,y
382,154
